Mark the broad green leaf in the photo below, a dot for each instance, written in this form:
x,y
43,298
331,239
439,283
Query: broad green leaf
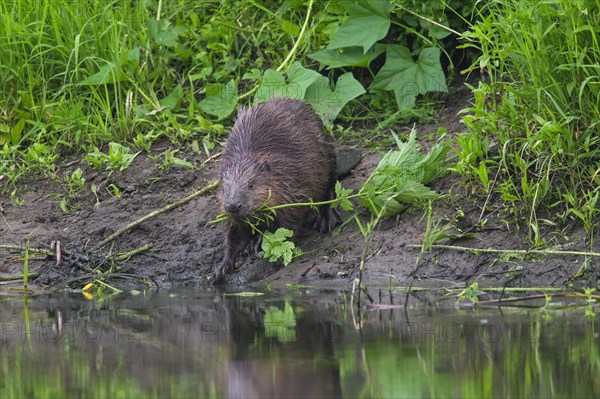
x,y
300,79
4,134
273,83
15,132
328,103
220,99
133,56
182,162
163,34
108,73
173,99
435,31
368,22
289,27
347,56
408,78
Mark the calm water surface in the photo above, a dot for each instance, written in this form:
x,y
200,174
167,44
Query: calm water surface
x,y
302,345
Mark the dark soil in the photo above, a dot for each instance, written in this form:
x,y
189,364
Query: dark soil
x,y
186,247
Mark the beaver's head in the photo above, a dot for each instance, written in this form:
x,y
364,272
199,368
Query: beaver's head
x,y
245,186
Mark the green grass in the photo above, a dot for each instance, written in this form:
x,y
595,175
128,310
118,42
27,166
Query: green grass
x,y
77,76
541,104
107,79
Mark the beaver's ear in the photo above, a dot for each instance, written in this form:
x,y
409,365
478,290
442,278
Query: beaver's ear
x,y
266,168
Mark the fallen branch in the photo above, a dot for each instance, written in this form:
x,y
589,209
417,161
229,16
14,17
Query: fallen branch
x,y
501,301
125,256
17,277
151,215
21,248
512,251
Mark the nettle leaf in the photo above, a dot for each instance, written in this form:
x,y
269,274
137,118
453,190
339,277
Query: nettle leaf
x,y
273,83
220,99
328,103
408,78
400,177
368,22
347,56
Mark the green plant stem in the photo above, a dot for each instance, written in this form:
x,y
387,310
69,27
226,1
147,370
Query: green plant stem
x,y
102,283
126,255
290,55
222,217
214,184
434,23
31,249
515,251
294,49
26,266
414,32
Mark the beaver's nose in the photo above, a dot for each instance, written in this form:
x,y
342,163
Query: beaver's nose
x,y
233,207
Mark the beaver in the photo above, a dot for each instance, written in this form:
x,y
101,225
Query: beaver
x,y
277,153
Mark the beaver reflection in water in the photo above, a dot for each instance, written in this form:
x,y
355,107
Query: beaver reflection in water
x,y
277,153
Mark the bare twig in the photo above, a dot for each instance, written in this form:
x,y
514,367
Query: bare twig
x,y
157,212
17,277
490,192
512,251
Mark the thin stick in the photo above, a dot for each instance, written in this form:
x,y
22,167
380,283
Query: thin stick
x,y
43,251
17,277
167,208
490,192
534,297
514,251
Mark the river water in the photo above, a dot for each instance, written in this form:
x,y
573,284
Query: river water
x,y
298,344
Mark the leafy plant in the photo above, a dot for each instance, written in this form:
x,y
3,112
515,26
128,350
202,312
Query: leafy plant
x,y
118,157
75,182
276,246
171,159
471,293
131,72
541,104
41,156
401,176
356,42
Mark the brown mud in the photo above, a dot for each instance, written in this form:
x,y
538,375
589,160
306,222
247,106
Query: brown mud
x,y
186,247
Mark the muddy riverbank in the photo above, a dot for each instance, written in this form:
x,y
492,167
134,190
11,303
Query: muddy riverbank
x,y
185,247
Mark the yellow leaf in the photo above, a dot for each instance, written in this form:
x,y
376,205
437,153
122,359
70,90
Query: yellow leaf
x,y
88,287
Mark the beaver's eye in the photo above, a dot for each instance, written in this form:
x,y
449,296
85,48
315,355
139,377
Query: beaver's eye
x,y
251,185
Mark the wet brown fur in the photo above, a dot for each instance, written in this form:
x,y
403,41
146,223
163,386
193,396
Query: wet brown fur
x,y
277,153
